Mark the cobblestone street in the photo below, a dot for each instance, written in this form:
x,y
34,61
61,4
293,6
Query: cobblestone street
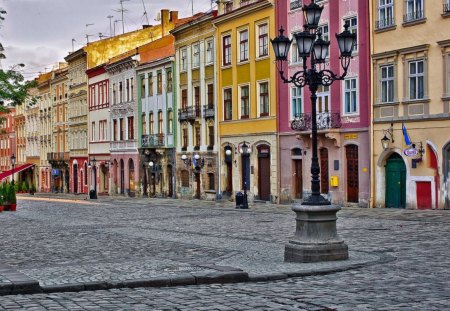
x,y
398,258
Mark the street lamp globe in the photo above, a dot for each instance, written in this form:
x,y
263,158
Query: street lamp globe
x,y
196,156
281,45
228,152
183,157
13,160
150,164
305,41
312,14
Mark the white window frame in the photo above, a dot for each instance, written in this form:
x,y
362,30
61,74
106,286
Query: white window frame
x,y
353,105
296,97
258,98
325,35
415,7
239,43
240,86
222,52
386,6
257,28
196,55
389,81
209,51
416,76
184,60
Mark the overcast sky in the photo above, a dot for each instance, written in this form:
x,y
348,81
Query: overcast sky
x,y
39,33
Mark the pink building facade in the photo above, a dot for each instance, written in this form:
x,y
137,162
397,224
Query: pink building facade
x,y
343,110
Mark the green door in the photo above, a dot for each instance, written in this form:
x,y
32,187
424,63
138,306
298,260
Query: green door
x,y
395,182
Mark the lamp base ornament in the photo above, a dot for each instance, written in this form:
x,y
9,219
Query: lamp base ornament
x,y
315,238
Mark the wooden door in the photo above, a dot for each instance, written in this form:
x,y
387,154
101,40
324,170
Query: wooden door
x,y
264,177
297,179
324,173
351,152
395,182
423,194
122,177
170,177
229,188
75,178
197,192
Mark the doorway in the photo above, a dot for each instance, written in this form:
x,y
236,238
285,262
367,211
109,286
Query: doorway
x,y
122,177
170,180
395,182
197,180
75,178
264,172
297,179
131,178
351,152
324,172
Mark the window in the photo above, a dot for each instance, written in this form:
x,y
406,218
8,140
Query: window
x,y
296,102
150,84
121,129
159,82
197,100
169,81
170,121
151,124
211,137
245,105
196,55
130,121
93,131
132,88
226,53
142,87
353,22
414,10
323,99
183,100
385,14
325,35
127,90
263,40
120,92
243,45
228,115
185,138
144,124
210,94
350,96
114,94
209,51
197,136
416,79
211,181
184,178
228,7
160,122
295,58
387,84
184,59
264,99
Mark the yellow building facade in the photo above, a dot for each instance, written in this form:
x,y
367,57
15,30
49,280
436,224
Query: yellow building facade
x,y
410,93
246,97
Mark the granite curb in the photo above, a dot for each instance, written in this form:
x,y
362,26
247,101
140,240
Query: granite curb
x,y
20,284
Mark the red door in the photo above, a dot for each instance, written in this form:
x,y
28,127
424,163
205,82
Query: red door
x,y
423,192
298,181
352,173
324,185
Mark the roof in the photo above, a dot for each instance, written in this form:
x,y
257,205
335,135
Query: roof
x,y
157,49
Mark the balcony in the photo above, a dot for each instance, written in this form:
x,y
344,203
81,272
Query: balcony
x,y
208,112
188,113
413,16
58,157
325,120
295,4
155,140
123,145
384,23
446,8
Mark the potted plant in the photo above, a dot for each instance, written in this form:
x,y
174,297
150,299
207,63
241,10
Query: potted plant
x,y
12,199
24,187
16,187
5,193
1,199
32,189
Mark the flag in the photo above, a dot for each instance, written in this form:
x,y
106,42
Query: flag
x,y
405,135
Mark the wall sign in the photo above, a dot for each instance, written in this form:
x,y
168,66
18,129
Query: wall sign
x,y
410,152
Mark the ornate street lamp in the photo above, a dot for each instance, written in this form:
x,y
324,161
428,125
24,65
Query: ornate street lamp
x,y
13,163
93,192
311,45
245,153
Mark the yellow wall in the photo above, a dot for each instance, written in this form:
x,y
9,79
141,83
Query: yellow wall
x,y
249,72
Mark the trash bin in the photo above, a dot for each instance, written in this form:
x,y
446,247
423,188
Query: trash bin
x,y
92,194
239,200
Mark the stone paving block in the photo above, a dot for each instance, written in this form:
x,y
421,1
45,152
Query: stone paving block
x,y
182,279
151,282
72,287
221,277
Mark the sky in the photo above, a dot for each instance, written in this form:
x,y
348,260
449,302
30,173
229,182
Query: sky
x,y
39,33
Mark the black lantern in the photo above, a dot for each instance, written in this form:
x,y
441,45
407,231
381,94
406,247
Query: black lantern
x,y
321,49
385,142
13,163
281,45
244,148
312,14
346,41
305,41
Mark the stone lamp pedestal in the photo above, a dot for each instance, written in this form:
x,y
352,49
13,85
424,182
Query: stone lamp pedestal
x,y
315,237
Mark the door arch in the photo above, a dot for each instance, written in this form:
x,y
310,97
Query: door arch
x,y
131,177
395,182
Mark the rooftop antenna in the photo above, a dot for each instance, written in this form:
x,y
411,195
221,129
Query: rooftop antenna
x,y
73,48
116,21
87,36
145,12
110,24
122,10
101,36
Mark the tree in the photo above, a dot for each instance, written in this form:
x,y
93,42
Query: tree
x,y
13,87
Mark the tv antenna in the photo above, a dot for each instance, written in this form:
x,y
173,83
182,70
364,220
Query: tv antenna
x,y
145,12
110,24
122,10
116,21
87,36
73,48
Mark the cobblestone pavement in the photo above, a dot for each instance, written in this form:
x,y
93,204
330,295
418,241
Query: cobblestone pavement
x,y
402,254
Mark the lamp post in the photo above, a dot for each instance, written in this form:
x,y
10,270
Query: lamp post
x,y
314,240
13,163
93,195
245,155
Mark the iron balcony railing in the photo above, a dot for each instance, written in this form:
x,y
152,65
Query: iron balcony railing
x,y
296,4
384,23
208,111
188,113
325,120
154,140
446,7
413,16
58,156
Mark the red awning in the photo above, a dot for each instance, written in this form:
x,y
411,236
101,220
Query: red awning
x,y
17,169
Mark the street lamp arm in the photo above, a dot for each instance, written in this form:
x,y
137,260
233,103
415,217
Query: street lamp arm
x,y
327,77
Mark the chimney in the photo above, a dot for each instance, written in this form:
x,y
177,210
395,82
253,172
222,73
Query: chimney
x,y
173,16
165,15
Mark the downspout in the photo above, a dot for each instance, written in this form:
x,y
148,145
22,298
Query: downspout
x,y
216,121
371,130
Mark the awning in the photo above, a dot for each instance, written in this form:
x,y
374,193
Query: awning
x,y
17,169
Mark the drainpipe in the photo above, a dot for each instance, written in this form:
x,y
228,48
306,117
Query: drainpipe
x,y
371,130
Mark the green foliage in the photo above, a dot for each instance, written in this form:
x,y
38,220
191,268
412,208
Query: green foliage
x,y
12,195
24,186
33,188
16,187
1,195
4,191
